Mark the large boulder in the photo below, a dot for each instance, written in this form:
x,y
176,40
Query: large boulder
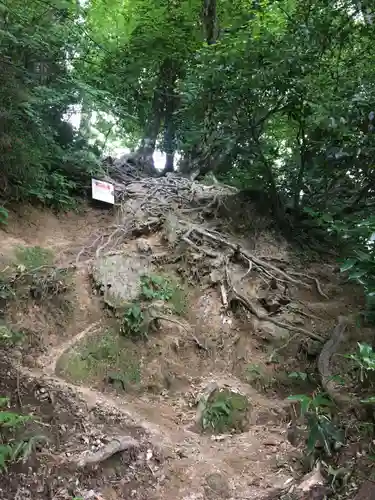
x,y
118,276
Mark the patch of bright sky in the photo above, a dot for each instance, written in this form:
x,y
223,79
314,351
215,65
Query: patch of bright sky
x,y
113,148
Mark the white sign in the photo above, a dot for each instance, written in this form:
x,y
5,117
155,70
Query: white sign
x,y
103,191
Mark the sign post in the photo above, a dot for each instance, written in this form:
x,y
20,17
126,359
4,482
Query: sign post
x,y
103,191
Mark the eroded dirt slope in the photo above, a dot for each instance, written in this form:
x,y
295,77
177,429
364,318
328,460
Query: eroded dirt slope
x,y
245,316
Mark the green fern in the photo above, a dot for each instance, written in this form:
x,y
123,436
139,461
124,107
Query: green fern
x,y
12,450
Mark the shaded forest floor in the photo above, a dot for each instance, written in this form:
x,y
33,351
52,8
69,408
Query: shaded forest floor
x,y
188,337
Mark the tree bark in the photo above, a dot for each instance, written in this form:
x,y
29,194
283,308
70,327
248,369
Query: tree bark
x,y
170,106
301,140
210,24
153,123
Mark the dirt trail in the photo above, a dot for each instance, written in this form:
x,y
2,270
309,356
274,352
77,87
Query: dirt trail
x,y
250,465
199,456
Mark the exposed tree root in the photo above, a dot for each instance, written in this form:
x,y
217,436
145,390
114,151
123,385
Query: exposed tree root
x,y
146,205
235,296
247,256
176,322
85,248
278,349
315,280
116,445
324,360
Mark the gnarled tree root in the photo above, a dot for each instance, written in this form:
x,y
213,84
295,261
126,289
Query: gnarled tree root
x,y
324,361
246,303
116,445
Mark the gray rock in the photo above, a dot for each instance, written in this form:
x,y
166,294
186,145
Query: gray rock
x,y
269,331
143,246
216,487
118,276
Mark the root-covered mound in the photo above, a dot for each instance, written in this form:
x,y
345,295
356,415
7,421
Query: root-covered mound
x,y
181,211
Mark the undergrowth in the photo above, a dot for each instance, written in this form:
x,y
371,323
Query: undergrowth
x,y
138,316
32,274
327,426
257,376
167,289
13,449
9,337
107,357
225,411
3,216
33,257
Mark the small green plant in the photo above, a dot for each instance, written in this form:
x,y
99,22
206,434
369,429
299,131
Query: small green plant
x,y
133,322
225,411
256,375
107,357
3,216
33,257
6,289
317,410
154,287
12,450
9,337
364,360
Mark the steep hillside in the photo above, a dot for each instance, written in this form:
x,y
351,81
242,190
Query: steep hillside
x,y
157,343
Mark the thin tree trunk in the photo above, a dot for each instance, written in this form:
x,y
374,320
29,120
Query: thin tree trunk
x,y
210,23
84,125
152,128
301,170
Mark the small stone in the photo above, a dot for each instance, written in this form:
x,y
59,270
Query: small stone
x,y
221,437
143,246
313,484
217,487
314,348
17,354
269,331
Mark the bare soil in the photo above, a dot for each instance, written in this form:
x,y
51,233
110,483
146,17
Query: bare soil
x,y
79,409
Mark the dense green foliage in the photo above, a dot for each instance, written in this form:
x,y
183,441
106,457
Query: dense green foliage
x,y
275,96
41,156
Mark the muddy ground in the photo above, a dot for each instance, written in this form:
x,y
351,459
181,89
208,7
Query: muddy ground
x,y
88,384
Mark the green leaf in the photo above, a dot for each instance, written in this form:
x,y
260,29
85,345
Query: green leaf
x,y
357,274
347,265
4,402
321,400
370,400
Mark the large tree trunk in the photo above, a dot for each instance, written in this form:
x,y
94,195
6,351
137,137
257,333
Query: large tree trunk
x,y
170,103
153,124
210,26
152,128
